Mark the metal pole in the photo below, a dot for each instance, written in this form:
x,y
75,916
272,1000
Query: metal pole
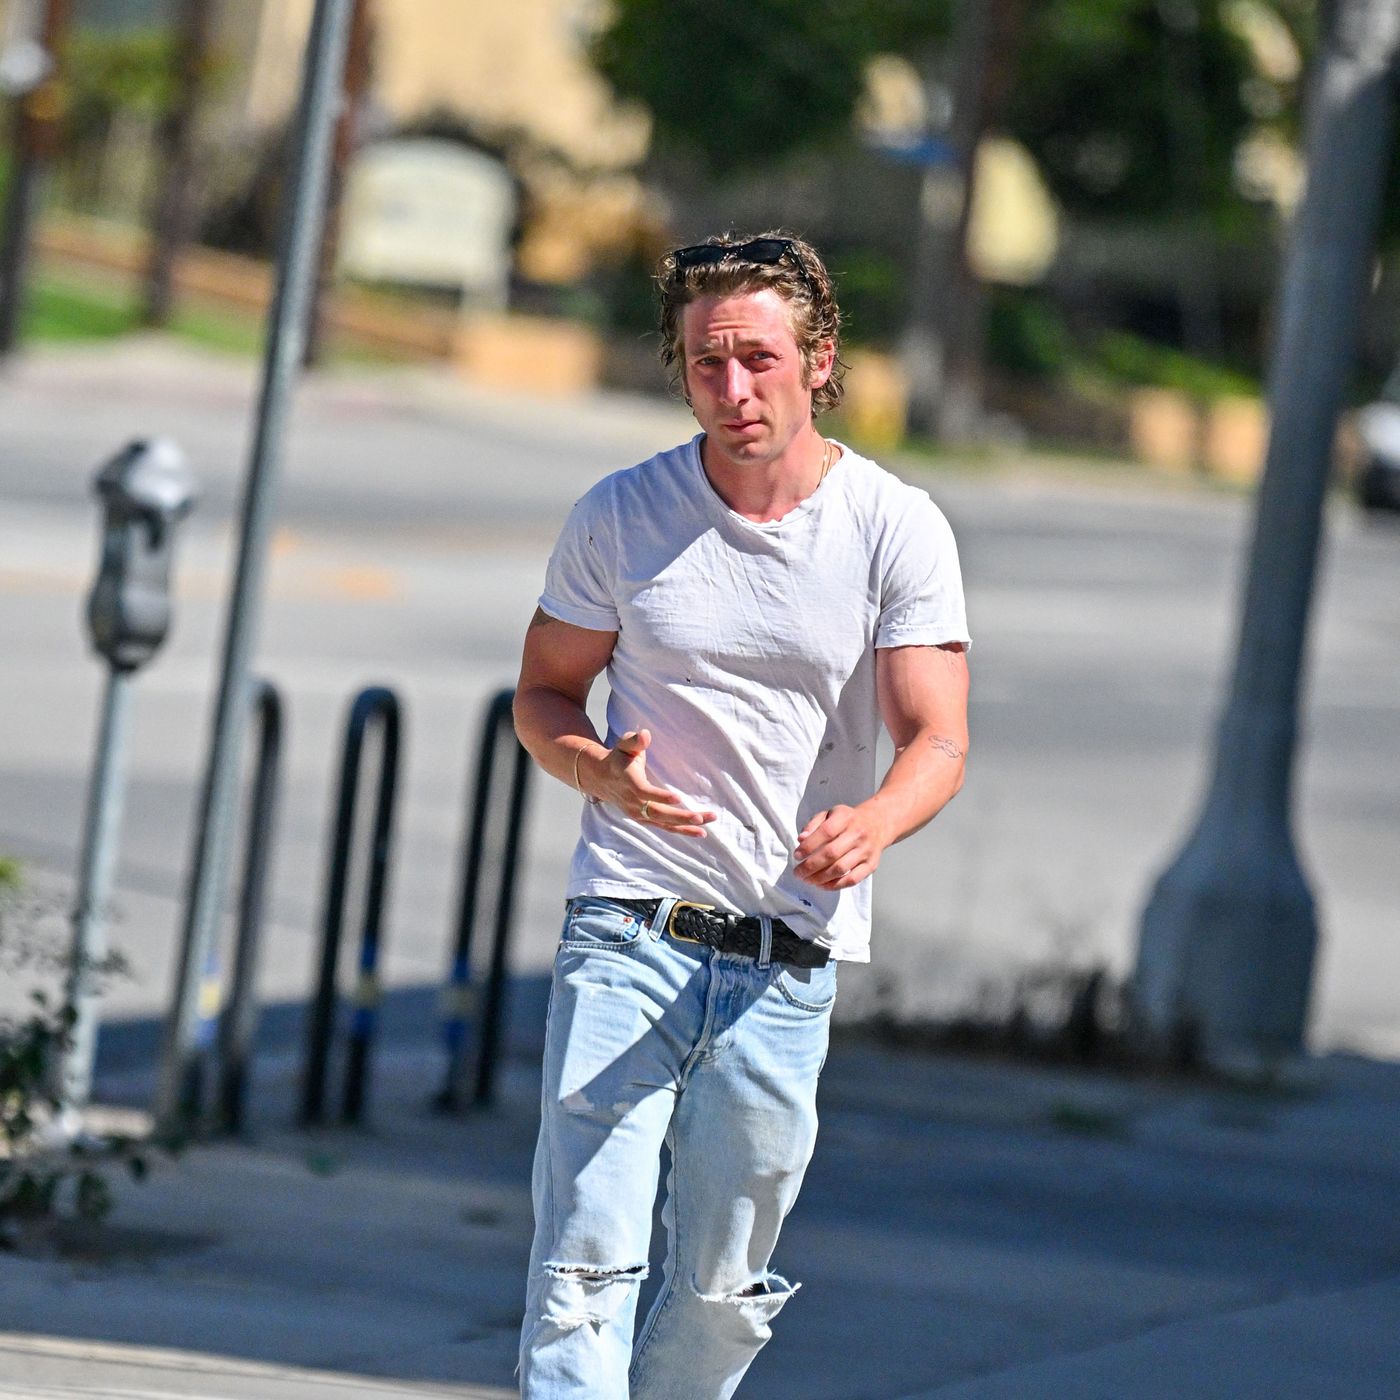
x,y
1228,937
238,1024
325,59
493,1004
320,1023
371,704
460,999
95,877
367,987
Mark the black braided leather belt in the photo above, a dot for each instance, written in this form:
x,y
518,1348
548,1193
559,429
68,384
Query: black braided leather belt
x,y
730,933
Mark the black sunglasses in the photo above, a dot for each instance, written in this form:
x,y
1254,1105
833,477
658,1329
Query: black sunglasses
x,y
768,252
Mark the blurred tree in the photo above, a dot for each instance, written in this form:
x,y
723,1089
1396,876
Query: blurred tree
x,y
1101,91
114,76
175,144
744,83
1133,109
1127,105
35,134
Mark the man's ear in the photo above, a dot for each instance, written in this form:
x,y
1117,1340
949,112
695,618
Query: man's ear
x,y
823,362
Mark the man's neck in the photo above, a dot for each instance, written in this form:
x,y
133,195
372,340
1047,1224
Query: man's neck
x,y
765,491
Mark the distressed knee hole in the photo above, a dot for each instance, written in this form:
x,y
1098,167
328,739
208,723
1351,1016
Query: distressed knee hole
x,y
583,1293
754,1307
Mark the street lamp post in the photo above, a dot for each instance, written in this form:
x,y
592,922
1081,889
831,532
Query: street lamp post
x,y
1229,934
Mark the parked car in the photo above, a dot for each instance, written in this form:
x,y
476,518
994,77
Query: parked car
x,y
1378,482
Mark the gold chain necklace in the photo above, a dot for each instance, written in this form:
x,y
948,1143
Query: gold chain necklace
x,y
828,457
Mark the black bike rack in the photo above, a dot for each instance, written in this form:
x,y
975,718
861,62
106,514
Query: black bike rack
x,y
239,1022
459,994
373,704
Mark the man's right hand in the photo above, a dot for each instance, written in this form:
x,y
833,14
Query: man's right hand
x,y
618,777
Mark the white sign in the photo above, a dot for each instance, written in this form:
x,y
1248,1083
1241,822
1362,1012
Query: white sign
x,y
428,212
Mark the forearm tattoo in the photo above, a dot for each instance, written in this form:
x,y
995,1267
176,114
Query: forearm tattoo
x,y
946,746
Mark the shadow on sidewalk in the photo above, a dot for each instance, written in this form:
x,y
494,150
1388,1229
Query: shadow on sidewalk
x,y
972,1228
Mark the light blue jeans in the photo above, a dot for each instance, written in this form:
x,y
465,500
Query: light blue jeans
x,y
651,1040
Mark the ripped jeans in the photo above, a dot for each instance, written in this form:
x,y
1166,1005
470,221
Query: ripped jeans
x,y
652,1039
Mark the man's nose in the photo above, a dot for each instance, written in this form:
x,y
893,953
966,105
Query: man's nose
x,y
736,382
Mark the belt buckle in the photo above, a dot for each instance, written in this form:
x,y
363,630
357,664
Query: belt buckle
x,y
671,921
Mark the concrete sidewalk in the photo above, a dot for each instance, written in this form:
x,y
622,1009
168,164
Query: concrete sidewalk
x,y
969,1229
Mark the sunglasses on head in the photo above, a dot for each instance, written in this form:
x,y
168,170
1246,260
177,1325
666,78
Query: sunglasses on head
x,y
767,252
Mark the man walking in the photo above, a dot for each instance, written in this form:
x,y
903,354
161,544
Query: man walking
x,y
760,598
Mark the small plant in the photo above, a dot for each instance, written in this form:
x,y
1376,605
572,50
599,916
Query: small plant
x,y
43,1164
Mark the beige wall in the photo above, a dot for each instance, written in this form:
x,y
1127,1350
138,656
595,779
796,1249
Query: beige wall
x,y
503,63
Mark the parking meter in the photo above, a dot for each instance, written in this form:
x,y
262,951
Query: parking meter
x,y
146,490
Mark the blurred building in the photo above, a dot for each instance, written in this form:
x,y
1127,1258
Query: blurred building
x,y
519,67
514,77
513,81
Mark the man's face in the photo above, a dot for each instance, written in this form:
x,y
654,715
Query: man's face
x,y
744,375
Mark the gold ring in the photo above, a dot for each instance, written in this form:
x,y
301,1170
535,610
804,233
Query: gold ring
x,y
646,807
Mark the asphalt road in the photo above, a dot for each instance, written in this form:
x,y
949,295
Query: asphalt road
x,y
415,520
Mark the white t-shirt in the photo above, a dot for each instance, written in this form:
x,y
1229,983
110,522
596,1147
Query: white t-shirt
x,y
748,651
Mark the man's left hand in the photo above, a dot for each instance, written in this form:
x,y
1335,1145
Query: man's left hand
x,y
839,848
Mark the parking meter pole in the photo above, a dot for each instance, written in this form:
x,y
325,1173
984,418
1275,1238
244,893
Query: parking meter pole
x,y
1228,937
324,63
95,879
145,490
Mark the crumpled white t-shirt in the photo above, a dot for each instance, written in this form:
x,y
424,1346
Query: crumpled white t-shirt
x,y
748,651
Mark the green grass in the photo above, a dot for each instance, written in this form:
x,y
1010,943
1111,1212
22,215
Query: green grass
x,y
219,330
58,311
1129,359
72,310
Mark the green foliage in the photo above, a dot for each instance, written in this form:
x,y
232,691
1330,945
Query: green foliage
x,y
1132,107
1132,360
1026,335
744,83
129,70
1029,339
874,295
38,1171
628,294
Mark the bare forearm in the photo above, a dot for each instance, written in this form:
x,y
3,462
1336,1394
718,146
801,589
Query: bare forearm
x,y
925,776
556,731
842,846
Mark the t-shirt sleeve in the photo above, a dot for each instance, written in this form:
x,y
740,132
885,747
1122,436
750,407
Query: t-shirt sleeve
x,y
577,581
921,595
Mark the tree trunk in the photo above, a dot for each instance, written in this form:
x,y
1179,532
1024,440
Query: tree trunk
x,y
944,343
37,120
175,144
